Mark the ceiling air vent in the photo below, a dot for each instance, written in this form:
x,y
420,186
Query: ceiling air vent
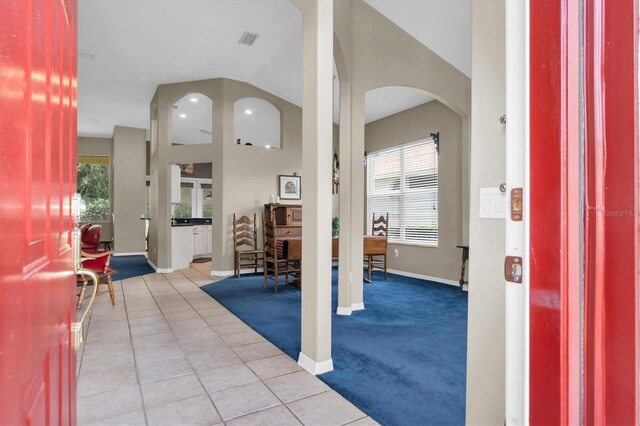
x,y
248,38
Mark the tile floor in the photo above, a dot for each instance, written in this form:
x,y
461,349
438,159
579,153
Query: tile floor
x,y
168,354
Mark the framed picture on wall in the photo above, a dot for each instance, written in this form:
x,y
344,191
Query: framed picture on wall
x,y
289,187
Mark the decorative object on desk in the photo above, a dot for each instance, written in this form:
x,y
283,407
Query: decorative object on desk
x,y
274,199
187,169
335,176
335,226
289,187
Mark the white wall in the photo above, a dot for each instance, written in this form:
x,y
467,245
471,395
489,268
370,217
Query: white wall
x,y
486,320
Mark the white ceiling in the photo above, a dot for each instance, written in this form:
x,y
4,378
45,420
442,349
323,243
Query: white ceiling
x,y
127,47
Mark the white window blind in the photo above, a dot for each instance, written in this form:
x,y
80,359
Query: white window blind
x,y
403,182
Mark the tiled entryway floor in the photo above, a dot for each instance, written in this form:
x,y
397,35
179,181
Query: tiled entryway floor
x,y
169,354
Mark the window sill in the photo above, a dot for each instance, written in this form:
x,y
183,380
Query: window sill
x,y
402,243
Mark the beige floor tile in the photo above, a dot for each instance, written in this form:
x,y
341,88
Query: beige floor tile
x,y
207,361
223,318
367,421
274,366
245,399
296,385
327,408
145,313
150,330
212,312
107,348
158,354
90,384
231,328
189,324
192,411
108,404
276,416
91,365
227,377
212,345
135,418
146,343
256,351
120,333
164,370
246,338
170,390
139,322
199,333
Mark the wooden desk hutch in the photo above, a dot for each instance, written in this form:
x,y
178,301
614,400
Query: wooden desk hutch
x,y
288,218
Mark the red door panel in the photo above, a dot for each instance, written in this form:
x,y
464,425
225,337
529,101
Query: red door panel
x,y
37,180
612,201
603,386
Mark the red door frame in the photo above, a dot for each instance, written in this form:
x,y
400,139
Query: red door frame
x,y
602,386
37,179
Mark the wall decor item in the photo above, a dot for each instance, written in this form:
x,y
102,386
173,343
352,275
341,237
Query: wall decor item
x,y
335,176
289,187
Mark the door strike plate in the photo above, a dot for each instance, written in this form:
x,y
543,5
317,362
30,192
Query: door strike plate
x,y
513,269
516,204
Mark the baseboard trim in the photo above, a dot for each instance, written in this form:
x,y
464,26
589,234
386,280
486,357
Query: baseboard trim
x,y
426,277
343,310
131,253
315,367
348,310
159,270
222,273
357,306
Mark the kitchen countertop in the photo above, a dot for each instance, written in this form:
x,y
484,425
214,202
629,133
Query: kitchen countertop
x,y
191,221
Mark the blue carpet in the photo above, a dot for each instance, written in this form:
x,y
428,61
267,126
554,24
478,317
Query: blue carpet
x,y
130,266
402,360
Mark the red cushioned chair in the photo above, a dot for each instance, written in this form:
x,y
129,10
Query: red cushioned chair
x,y
98,263
91,238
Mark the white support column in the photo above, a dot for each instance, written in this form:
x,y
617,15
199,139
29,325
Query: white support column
x,y
317,125
357,210
344,271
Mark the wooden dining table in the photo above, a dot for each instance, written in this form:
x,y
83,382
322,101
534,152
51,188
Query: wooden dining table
x,y
290,248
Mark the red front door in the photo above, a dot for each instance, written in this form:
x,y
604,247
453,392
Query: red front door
x,y
584,280
37,179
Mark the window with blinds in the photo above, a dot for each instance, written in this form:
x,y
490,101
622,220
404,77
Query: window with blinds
x,y
403,182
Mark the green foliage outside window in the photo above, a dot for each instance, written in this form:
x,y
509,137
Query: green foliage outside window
x,y
93,186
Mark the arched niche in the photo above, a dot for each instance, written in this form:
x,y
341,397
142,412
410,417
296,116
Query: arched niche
x,y
257,122
192,120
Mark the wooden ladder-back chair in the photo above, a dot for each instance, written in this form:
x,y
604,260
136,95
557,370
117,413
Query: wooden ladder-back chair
x,y
274,263
100,264
245,244
379,228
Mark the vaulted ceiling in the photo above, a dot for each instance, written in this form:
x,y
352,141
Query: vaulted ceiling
x,y
127,47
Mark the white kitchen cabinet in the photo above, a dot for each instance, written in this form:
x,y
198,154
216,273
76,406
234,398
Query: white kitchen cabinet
x,y
181,247
202,235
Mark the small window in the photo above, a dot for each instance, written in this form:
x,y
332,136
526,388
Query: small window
x,y
191,120
93,186
256,122
403,182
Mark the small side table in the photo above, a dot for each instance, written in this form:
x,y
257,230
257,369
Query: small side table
x,y
465,257
106,244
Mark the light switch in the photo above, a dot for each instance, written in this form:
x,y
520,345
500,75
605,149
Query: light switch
x,y
492,203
